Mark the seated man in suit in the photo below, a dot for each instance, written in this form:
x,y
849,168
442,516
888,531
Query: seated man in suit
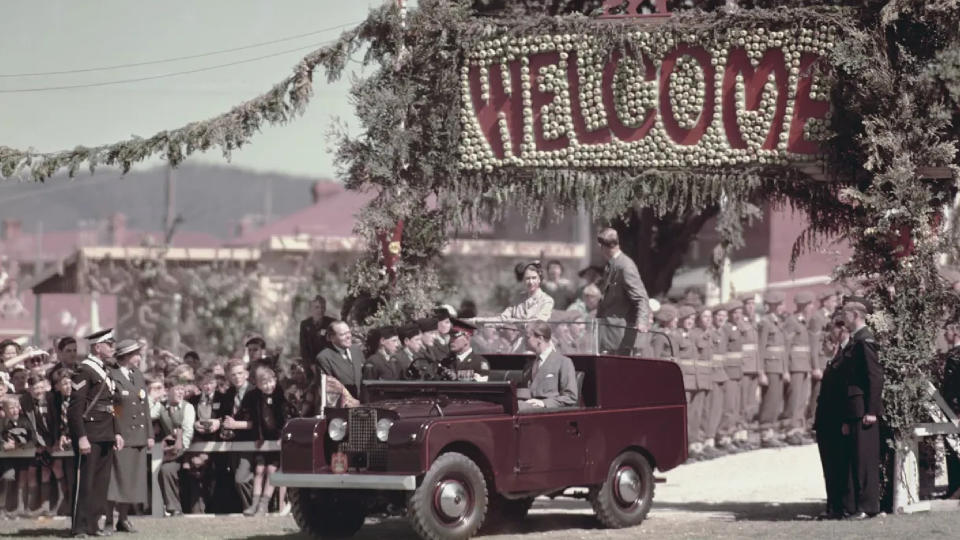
x,y
550,378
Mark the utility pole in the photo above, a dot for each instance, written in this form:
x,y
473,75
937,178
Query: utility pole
x,y
170,218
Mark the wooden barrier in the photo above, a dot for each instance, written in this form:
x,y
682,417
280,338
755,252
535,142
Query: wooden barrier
x,y
156,460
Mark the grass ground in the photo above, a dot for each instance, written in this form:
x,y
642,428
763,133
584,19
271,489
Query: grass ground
x,y
561,520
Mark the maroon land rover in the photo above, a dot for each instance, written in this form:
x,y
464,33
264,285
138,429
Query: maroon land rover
x,y
455,456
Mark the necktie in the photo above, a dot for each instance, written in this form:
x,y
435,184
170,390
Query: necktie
x,y
346,354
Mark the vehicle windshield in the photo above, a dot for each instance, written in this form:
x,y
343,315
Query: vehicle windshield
x,y
570,335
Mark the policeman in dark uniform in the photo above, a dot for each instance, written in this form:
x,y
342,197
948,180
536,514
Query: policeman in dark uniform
x,y
462,361
94,432
828,423
860,369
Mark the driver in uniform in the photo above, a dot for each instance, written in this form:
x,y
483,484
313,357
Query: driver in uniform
x,y
464,364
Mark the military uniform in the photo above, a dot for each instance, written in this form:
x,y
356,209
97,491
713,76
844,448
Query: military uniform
x,y
731,424
90,415
468,366
801,364
714,353
823,351
771,346
860,370
128,483
686,351
750,382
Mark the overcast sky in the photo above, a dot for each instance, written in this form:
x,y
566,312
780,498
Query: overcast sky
x,y
59,35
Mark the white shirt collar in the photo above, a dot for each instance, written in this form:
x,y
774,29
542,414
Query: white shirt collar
x,y
543,356
464,354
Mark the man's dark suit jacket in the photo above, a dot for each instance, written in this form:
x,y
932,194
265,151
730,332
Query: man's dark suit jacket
x,y
624,295
555,382
332,362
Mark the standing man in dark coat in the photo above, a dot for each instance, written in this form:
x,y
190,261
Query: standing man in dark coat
x,y
342,359
128,483
828,425
862,374
624,311
94,432
313,333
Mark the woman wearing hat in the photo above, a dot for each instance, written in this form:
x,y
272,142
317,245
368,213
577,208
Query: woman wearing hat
x,y
128,481
536,304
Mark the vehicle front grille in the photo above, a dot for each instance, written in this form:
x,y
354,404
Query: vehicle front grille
x,y
362,440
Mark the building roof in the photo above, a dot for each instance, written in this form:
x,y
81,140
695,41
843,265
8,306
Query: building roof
x,y
333,215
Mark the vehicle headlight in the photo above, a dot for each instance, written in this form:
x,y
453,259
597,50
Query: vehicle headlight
x,y
337,429
383,428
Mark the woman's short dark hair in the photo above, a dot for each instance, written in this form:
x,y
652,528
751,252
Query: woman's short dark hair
x,y
535,265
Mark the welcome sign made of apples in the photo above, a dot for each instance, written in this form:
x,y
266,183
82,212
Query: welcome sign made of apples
x,y
661,99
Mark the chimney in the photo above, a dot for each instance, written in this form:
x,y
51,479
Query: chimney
x,y
11,230
117,229
244,226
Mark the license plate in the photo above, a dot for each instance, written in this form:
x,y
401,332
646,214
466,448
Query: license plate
x,y
339,463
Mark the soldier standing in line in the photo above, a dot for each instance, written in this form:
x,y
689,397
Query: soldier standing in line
x,y
705,339
686,352
824,349
663,342
731,422
721,382
801,363
771,345
750,383
93,430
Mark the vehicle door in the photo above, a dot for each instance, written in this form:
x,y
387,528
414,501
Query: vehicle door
x,y
550,443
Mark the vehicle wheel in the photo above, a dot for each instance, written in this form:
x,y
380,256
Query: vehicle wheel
x,y
624,498
327,513
451,502
501,512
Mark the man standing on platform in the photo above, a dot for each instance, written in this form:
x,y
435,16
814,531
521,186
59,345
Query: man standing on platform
x,y
624,311
313,333
342,359
93,430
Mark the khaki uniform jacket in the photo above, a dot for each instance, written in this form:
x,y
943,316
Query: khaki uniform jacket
x,y
771,345
686,357
749,336
799,344
819,328
704,344
733,358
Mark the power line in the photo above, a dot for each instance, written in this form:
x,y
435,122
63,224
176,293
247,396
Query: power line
x,y
163,75
177,58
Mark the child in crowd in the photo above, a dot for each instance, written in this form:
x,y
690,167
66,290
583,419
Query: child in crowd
x,y
265,410
16,432
39,407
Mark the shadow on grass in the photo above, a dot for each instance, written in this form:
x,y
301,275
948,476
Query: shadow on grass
x,y
753,511
47,532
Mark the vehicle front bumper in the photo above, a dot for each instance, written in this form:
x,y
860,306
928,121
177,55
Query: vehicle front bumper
x,y
395,482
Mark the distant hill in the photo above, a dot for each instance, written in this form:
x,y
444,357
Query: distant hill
x,y
211,199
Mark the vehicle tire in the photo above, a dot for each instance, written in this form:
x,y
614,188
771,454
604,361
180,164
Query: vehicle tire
x,y
327,513
502,512
625,497
451,502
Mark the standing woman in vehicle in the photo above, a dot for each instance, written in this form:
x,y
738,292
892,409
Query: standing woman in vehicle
x,y
128,481
536,304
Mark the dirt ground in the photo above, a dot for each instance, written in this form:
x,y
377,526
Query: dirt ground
x,y
762,494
